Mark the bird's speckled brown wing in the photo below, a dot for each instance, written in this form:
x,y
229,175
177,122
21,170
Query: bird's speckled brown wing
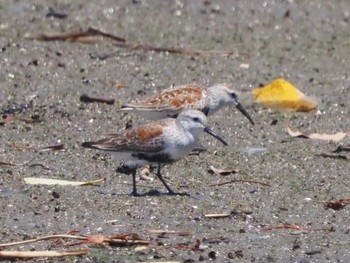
x,y
145,138
190,96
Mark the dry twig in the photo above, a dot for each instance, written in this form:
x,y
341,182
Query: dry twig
x,y
217,171
77,36
88,37
295,227
7,163
336,204
240,181
163,232
47,254
88,99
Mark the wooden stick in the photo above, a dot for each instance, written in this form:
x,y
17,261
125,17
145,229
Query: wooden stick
x,y
37,254
240,181
40,239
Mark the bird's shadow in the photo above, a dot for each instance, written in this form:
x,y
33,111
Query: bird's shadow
x,y
154,192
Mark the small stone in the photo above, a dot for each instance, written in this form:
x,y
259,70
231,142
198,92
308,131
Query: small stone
x,y
212,254
55,194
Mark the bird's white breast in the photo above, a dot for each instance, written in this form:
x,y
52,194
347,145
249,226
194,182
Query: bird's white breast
x,y
178,143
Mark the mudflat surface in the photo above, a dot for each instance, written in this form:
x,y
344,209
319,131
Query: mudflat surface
x,y
305,42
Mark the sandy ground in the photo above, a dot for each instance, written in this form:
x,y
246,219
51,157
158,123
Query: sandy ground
x,y
305,42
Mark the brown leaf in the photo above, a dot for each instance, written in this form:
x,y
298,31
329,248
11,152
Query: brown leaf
x,y
216,171
318,136
96,239
336,204
145,174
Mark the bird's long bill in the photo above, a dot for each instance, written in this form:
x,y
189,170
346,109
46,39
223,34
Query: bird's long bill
x,y
212,133
244,112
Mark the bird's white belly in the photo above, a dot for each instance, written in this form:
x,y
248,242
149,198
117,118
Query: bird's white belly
x,y
180,148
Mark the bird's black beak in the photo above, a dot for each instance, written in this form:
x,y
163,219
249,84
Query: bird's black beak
x,y
212,133
244,112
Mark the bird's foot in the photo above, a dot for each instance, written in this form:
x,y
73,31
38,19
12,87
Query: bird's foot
x,y
134,193
197,150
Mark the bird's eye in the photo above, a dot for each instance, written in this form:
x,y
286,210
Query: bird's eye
x,y
233,95
196,119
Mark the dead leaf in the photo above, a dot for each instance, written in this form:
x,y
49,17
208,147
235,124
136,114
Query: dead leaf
x,y
216,171
144,174
336,204
317,136
96,239
48,181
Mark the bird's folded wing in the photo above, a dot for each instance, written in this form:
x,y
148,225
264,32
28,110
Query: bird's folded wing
x,y
146,138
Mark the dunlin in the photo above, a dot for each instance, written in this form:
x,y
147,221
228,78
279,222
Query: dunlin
x,y
170,102
158,142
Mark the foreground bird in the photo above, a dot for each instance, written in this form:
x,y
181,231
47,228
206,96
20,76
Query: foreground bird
x,y
159,142
170,102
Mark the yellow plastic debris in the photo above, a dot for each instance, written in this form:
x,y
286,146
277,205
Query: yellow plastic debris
x,y
282,95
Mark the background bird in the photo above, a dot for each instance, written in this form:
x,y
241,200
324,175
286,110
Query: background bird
x,y
170,102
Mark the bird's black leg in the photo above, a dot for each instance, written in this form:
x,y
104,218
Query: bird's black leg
x,y
159,175
129,169
134,191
